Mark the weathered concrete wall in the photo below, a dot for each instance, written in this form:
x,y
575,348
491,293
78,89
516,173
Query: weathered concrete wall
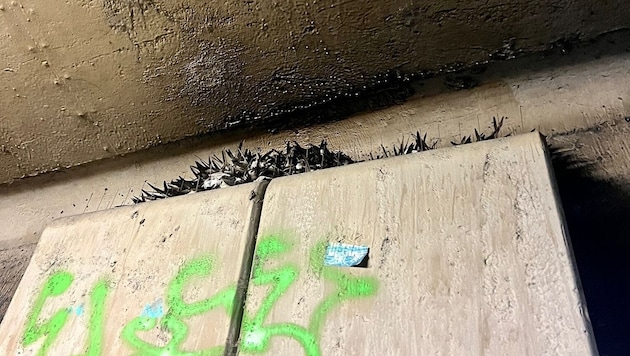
x,y
579,100
176,261
466,254
82,80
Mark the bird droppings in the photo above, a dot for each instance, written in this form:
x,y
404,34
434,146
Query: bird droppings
x,y
245,166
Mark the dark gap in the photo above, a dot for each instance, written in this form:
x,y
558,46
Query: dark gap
x,y
364,262
597,214
240,297
397,85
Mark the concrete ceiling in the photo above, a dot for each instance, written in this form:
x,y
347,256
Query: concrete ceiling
x,y
82,80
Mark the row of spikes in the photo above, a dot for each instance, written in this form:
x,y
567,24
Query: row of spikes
x,y
245,166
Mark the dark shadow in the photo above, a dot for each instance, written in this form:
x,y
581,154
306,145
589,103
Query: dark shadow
x,y
396,86
598,218
364,262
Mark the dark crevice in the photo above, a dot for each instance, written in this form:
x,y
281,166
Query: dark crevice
x,y
597,214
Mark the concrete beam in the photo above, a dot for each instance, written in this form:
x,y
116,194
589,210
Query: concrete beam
x,y
100,283
467,255
466,251
85,80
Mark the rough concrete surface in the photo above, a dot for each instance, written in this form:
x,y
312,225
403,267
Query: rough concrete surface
x,y
98,283
468,255
556,99
82,80
580,100
104,280
13,262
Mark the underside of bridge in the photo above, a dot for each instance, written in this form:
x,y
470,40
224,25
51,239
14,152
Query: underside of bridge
x,y
84,80
97,98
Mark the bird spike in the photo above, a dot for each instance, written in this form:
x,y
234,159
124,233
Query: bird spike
x,y
156,189
244,165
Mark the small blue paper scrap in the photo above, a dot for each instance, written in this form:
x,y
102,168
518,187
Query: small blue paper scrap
x,y
343,255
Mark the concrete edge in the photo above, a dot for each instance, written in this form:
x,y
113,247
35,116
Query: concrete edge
x,y
551,177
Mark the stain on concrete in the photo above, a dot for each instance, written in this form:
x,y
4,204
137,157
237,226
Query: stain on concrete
x,y
210,76
124,75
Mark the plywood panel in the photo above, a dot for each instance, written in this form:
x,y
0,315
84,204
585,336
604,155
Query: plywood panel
x,y
468,255
153,279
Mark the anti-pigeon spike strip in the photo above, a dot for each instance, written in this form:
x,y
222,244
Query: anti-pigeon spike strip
x,y
245,166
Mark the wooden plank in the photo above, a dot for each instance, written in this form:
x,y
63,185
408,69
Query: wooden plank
x,y
153,279
468,255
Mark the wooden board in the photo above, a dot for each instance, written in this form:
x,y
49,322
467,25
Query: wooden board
x,y
153,279
468,255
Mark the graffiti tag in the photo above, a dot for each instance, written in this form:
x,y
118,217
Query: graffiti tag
x,y
256,332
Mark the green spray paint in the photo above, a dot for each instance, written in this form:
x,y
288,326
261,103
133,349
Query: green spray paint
x,y
57,284
257,336
178,310
348,287
97,323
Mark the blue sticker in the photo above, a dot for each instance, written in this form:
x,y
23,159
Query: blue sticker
x,y
155,310
343,255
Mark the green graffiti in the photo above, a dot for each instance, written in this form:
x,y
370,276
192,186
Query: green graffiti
x,y
257,335
57,284
256,332
348,287
178,310
96,328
